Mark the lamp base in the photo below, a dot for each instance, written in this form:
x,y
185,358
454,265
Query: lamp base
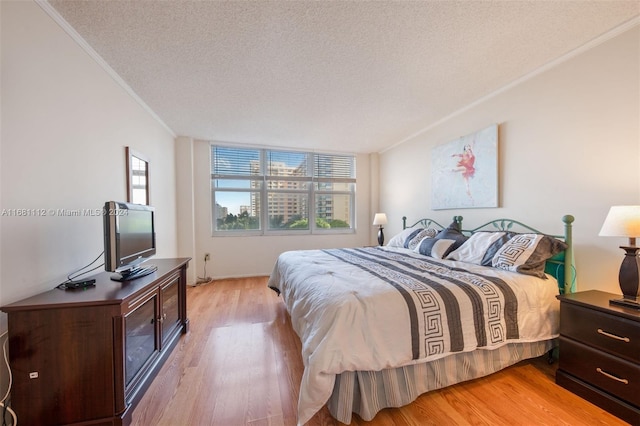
x,y
626,302
380,236
629,276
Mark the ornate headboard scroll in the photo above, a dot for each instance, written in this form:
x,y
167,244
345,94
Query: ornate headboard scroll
x,y
426,223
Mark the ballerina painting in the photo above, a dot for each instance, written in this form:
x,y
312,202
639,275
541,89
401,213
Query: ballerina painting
x,y
465,166
464,172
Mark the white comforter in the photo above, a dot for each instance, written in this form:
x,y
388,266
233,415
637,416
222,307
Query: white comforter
x,y
350,319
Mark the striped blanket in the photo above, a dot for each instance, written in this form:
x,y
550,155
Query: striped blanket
x,y
435,313
375,308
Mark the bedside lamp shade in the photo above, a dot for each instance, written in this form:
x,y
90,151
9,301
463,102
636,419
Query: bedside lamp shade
x,y
380,219
624,221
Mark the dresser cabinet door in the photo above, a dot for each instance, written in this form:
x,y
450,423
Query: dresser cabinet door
x,y
170,308
141,344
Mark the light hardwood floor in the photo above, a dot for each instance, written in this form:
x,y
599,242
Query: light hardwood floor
x,y
240,364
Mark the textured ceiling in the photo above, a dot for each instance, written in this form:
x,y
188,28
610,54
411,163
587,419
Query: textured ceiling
x,y
329,75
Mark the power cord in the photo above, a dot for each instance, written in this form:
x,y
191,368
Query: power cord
x,y
5,407
75,274
204,279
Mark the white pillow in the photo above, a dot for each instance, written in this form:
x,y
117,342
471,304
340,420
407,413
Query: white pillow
x,y
399,239
478,248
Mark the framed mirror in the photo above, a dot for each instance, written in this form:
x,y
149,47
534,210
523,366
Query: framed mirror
x,y
137,177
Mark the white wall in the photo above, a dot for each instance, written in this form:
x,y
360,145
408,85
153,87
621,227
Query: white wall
x,y
65,125
256,255
569,144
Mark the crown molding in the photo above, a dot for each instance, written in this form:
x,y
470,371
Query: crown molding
x,y
549,65
53,13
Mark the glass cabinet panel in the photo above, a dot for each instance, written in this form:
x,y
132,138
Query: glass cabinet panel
x,y
140,338
170,309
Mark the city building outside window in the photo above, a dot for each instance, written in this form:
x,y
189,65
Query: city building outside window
x,y
257,191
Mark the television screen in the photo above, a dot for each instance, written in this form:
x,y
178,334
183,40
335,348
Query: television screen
x,y
136,233
129,239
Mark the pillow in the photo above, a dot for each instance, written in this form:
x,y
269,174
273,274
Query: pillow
x,y
415,238
435,247
527,253
443,243
400,238
480,248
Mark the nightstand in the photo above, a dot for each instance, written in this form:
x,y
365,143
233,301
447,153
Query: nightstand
x,y
600,352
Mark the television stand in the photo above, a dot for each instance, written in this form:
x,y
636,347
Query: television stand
x,y
132,274
87,357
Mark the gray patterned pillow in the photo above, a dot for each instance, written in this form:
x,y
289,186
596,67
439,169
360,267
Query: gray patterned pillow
x,y
527,253
443,243
416,237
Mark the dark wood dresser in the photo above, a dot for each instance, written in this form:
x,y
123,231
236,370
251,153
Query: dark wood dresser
x,y
600,352
86,356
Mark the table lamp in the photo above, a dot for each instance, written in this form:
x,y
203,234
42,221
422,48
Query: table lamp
x,y
624,221
380,219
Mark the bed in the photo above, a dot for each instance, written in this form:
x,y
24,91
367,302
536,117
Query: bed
x,y
436,306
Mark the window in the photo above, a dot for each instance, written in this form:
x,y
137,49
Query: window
x,y
257,191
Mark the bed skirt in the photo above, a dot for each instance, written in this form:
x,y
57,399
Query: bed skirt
x,y
367,392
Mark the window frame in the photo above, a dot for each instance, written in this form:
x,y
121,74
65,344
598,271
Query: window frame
x,y
264,178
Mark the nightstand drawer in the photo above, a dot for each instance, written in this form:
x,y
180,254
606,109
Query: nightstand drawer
x,y
616,335
613,375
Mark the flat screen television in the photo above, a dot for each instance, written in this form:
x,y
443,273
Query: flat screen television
x,y
129,239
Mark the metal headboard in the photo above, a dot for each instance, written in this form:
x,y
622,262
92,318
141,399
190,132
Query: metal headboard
x,y
561,266
427,223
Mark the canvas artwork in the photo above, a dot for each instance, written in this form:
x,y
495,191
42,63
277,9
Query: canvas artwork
x,y
464,172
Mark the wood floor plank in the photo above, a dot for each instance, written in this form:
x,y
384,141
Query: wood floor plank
x,y
240,364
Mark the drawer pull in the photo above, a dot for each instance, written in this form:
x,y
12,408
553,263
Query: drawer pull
x,y
613,336
611,376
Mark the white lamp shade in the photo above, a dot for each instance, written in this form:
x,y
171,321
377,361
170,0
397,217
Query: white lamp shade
x,y
622,221
380,219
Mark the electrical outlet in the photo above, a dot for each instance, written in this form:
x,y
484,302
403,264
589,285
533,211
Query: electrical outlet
x,y
207,257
